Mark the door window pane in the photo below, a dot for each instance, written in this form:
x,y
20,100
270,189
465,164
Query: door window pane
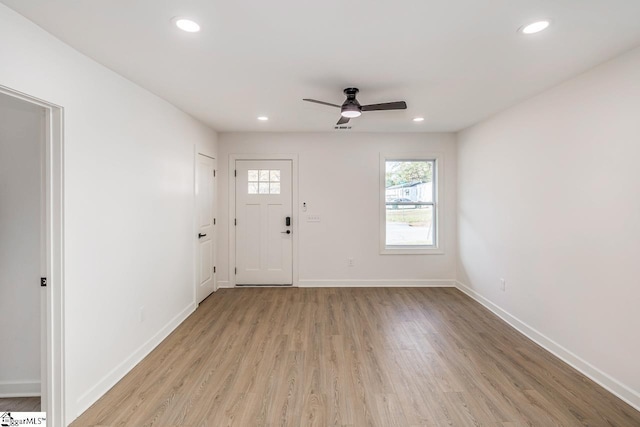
x,y
263,181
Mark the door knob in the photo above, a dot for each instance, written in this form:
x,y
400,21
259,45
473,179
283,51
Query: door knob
x,y
200,235
286,232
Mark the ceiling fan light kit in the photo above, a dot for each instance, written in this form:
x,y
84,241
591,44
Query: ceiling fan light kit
x,y
351,112
351,108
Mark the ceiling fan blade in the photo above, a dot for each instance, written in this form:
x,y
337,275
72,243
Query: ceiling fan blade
x,y
322,102
400,105
343,120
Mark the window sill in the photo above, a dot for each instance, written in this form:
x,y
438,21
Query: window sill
x,y
400,250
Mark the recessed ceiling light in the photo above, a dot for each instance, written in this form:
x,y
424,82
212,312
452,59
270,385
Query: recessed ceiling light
x,y
534,27
187,25
263,118
418,119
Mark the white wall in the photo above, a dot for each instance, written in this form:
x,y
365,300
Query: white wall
x,y
21,135
549,199
339,180
129,205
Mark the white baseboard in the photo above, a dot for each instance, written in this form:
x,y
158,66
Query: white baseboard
x,y
374,283
19,388
619,389
366,283
94,393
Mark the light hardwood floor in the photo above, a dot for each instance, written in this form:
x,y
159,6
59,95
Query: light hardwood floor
x,y
352,357
20,404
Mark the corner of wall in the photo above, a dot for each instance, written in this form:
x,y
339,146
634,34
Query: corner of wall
x,y
609,383
108,381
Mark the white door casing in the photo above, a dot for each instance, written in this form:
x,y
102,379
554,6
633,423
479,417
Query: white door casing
x,y
53,342
264,241
205,196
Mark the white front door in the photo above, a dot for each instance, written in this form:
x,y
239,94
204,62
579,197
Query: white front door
x,y
205,174
264,244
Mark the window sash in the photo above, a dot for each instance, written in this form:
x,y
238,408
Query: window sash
x,y
434,228
386,206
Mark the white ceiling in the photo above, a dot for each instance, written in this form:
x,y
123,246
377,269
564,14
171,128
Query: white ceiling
x,y
455,62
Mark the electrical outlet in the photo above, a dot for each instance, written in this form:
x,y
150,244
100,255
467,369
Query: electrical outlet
x,y
350,262
503,285
141,318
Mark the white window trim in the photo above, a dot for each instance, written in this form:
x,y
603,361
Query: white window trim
x,y
437,248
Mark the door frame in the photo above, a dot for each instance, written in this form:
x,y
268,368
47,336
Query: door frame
x,y
196,226
232,209
52,266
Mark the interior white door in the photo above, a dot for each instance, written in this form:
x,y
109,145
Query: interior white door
x,y
264,244
205,196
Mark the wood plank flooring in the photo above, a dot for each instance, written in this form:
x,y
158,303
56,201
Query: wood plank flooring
x,y
352,357
20,404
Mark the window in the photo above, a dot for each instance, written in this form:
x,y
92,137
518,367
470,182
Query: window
x,y
263,181
409,212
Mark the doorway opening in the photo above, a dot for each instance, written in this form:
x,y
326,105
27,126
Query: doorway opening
x,y
31,251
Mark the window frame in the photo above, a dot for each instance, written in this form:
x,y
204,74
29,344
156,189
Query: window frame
x,y
437,247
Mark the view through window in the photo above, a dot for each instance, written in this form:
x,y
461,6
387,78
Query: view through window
x,y
410,203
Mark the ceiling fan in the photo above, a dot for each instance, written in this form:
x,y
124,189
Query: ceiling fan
x,y
351,108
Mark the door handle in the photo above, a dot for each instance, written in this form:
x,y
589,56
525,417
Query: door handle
x,y
287,221
286,232
200,235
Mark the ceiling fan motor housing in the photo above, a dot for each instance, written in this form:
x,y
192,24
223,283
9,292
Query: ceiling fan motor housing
x,y
351,107
351,92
